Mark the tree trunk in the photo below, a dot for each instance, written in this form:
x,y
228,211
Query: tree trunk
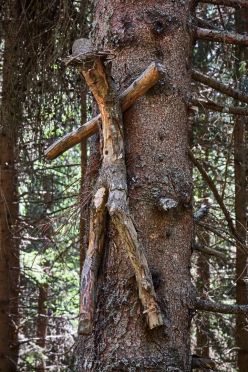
x,y
203,273
9,247
42,322
156,141
240,161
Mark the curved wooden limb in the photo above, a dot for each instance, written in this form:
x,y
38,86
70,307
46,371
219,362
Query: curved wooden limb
x,y
92,262
138,88
119,212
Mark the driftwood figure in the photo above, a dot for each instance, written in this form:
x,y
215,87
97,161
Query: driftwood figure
x,y
111,186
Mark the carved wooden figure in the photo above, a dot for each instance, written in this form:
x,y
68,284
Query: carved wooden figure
x,y
111,186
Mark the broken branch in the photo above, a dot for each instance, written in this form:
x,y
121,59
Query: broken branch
x,y
217,307
220,87
138,88
209,251
210,105
221,36
202,363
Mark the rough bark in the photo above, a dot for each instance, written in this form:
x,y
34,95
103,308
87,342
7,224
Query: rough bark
x,y
156,139
9,252
240,136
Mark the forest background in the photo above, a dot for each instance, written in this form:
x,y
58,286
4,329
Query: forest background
x,y
42,202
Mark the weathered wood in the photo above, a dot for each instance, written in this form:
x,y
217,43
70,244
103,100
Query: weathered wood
x,y
92,262
113,174
221,36
137,89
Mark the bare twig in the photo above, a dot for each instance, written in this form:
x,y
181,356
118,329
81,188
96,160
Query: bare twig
x,y
220,87
221,36
213,106
217,307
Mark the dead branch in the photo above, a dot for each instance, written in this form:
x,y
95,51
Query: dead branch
x,y
221,36
202,363
92,262
230,3
208,251
137,89
212,106
217,307
220,87
113,176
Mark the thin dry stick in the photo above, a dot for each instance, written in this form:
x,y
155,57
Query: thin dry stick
x,y
137,89
213,106
220,87
221,36
217,307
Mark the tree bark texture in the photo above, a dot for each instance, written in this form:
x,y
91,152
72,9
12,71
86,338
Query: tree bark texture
x,y
156,140
9,251
240,136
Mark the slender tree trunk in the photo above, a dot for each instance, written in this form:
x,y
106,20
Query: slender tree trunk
x,y
42,322
9,245
83,33
156,136
240,161
203,273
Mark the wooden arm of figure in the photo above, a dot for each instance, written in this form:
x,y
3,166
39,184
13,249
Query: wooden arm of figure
x,y
137,89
